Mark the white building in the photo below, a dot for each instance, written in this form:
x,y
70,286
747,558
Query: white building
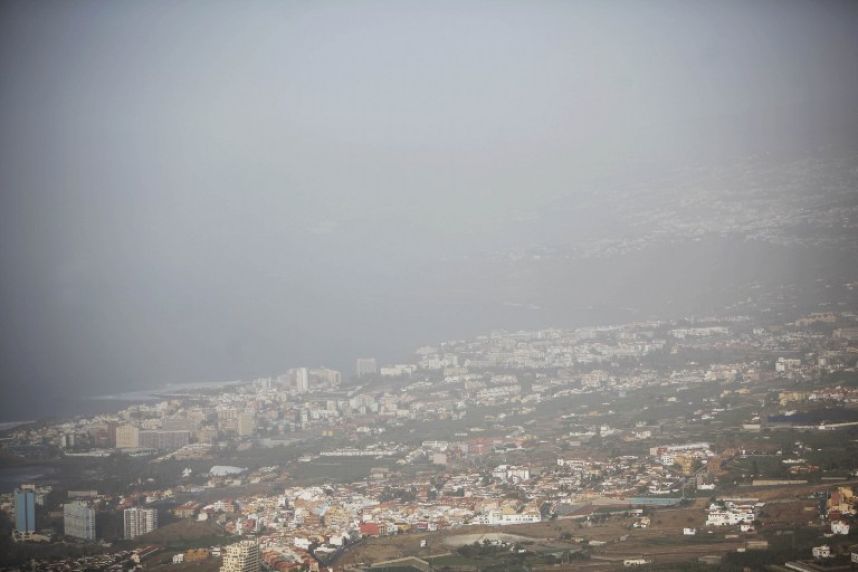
x,y
79,520
326,376
508,515
139,521
302,379
397,370
226,471
509,473
365,366
784,365
820,552
730,514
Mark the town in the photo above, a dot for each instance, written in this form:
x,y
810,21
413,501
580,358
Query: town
x,y
377,286
719,441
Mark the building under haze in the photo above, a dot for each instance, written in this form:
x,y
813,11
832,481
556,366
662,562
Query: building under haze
x,y
79,520
160,439
241,557
365,366
227,419
127,437
326,376
302,379
139,521
246,424
25,511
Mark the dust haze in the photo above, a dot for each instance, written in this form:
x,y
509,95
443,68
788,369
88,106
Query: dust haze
x,y
205,191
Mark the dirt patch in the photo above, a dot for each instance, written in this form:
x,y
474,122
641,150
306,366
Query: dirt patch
x,y
492,537
183,531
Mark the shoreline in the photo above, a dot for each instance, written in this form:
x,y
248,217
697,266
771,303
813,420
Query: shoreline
x,y
89,406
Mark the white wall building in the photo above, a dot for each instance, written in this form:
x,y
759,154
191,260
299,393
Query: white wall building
x,y
820,552
730,514
79,520
139,521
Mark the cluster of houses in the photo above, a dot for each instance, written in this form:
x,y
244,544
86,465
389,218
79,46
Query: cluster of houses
x,y
733,512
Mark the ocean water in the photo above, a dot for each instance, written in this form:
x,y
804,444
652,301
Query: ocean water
x,y
12,477
471,297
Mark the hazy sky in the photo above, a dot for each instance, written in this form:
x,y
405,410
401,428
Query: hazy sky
x,y
204,190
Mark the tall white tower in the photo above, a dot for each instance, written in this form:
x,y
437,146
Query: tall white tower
x,y
302,379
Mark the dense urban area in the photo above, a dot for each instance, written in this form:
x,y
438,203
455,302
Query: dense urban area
x,y
720,442
599,260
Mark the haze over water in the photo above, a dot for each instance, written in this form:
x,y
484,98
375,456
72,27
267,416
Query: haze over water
x,y
192,192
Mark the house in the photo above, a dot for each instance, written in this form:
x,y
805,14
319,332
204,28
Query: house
x,y
820,552
727,513
187,510
839,527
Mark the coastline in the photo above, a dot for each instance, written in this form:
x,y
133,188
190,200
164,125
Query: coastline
x,y
69,408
